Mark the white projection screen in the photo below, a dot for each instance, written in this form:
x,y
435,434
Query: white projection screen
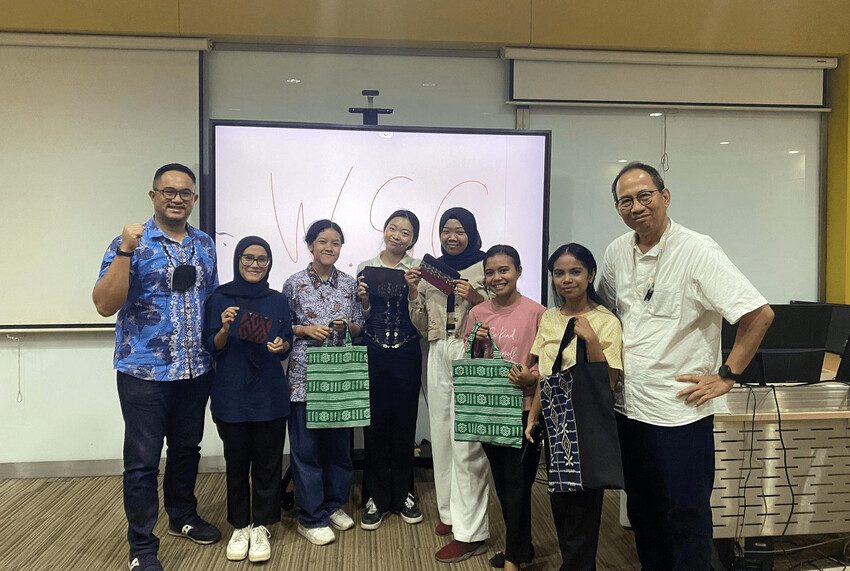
x,y
273,179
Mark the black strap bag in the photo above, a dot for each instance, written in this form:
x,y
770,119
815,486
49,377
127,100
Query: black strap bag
x,y
581,431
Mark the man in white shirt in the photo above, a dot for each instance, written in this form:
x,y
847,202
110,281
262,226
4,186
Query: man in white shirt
x,y
671,288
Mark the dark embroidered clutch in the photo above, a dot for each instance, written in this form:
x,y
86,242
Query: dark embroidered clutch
x,y
438,274
384,282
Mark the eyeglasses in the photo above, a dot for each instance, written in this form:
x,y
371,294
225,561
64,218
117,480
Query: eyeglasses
x,y
248,260
171,193
644,197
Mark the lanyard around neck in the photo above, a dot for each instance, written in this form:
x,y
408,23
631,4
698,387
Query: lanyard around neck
x,y
650,284
180,254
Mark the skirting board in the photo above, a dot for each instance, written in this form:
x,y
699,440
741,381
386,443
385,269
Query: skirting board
x,y
84,468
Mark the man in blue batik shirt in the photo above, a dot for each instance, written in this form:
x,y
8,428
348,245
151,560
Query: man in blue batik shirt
x,y
157,276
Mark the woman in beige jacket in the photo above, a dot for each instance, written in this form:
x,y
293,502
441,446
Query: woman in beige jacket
x,y
461,471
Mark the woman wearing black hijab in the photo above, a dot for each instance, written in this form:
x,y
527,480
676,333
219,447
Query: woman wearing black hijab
x,y
461,470
248,332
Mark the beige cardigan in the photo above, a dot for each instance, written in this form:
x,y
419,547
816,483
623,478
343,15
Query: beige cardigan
x,y
428,310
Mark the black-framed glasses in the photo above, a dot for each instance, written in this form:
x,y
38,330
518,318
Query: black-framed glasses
x,y
171,193
644,197
248,260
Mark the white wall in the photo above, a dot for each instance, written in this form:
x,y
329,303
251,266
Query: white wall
x,y
70,406
422,90
82,131
758,201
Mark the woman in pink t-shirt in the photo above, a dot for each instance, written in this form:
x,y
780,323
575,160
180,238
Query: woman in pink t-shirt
x,y
511,320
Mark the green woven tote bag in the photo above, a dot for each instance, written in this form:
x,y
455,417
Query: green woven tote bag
x,y
488,408
337,385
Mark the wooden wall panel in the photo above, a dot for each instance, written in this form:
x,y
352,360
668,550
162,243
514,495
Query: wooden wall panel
x,y
148,17
838,185
798,27
448,23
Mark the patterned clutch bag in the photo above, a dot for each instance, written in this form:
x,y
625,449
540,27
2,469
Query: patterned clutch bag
x,y
438,274
254,327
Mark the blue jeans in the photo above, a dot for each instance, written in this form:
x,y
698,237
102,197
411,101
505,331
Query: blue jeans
x,y
153,411
321,468
669,475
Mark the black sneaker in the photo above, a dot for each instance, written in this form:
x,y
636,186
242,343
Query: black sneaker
x,y
145,562
199,531
371,518
411,513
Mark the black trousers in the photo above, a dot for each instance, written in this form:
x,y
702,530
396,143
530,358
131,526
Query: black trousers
x,y
153,411
253,449
394,381
577,516
669,475
513,477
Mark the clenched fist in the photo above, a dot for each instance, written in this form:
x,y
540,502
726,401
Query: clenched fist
x,y
130,236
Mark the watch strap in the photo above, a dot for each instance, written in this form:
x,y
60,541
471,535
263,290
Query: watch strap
x,y
726,372
120,252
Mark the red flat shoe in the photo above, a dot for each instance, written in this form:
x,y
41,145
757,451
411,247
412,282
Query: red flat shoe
x,y
456,551
443,529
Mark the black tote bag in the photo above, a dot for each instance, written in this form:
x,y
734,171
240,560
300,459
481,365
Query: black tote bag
x,y
581,431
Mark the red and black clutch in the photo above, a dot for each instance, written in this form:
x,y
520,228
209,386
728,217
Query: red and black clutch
x,y
438,274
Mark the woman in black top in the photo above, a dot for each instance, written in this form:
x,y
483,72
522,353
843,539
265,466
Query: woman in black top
x,y
248,331
395,370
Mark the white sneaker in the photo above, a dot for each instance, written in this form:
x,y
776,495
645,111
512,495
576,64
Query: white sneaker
x,y
341,520
237,547
260,548
317,535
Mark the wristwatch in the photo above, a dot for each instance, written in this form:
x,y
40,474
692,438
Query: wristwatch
x,y
120,252
726,373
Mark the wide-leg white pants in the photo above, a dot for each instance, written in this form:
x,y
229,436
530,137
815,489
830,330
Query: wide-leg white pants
x,y
461,470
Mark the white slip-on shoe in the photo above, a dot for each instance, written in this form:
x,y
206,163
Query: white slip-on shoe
x,y
237,547
260,548
341,520
317,535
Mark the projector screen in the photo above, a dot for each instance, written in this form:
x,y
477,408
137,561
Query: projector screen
x,y
274,179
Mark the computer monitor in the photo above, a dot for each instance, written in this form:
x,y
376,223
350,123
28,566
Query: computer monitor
x,y
793,347
839,326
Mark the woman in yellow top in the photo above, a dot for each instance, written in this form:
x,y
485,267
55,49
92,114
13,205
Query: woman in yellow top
x,y
573,270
